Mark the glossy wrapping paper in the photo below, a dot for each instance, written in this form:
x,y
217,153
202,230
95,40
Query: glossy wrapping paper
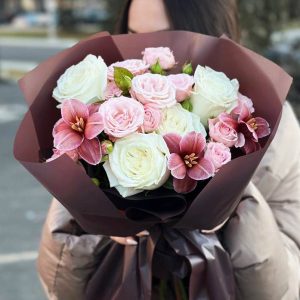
x,y
176,245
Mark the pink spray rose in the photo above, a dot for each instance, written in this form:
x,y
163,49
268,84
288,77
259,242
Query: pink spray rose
x,y
112,91
218,154
224,130
135,66
77,130
153,89
163,55
187,162
122,116
183,84
152,119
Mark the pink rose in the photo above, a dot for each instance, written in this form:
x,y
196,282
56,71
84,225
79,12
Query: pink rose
x,y
183,84
112,91
152,118
218,154
122,116
162,54
223,130
153,89
135,66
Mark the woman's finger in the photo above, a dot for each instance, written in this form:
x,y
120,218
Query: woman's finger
x,y
124,240
143,233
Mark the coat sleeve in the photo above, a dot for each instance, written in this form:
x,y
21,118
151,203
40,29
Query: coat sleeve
x,y
67,256
263,236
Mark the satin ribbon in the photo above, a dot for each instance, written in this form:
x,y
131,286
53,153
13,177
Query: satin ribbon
x,y
125,272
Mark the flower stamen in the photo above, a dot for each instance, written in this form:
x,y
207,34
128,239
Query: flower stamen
x,y
252,123
191,160
79,125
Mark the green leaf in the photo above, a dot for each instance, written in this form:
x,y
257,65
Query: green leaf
x,y
96,181
187,68
186,104
123,79
157,69
169,184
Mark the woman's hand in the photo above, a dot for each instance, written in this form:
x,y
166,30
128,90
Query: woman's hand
x,y
129,240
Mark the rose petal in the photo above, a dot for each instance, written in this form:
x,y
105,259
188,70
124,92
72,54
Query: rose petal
x,y
263,128
94,126
67,139
192,142
203,170
73,108
90,151
173,140
185,185
176,166
228,120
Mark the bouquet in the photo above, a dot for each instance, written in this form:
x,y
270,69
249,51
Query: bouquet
x,y
137,132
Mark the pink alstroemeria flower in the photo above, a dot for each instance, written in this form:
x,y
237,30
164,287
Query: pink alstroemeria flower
x,y
253,128
186,162
78,129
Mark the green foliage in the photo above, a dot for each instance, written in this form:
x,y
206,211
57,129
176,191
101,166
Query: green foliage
x,y
186,104
122,79
187,68
157,69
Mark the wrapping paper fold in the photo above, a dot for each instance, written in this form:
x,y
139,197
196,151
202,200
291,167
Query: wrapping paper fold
x,y
99,212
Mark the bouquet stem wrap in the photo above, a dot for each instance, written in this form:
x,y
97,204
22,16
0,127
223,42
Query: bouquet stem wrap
x,y
166,251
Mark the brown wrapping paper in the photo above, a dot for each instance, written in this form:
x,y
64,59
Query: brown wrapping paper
x,y
105,212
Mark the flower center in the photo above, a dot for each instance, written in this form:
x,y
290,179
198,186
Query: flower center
x,y
191,160
252,123
79,125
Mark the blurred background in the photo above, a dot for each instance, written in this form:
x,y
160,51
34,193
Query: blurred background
x,y
31,31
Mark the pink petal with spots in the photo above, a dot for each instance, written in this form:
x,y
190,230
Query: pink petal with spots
x,y
73,108
90,151
185,185
173,140
263,128
192,142
94,126
67,139
203,170
176,166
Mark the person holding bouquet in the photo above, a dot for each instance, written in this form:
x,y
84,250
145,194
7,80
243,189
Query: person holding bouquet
x,y
262,236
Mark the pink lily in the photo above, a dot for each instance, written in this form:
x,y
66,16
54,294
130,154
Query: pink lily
x,y
253,128
186,162
78,129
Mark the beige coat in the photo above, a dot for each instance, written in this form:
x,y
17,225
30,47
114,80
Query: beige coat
x,y
263,237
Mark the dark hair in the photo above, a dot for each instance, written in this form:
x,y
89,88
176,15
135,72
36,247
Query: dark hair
x,y
212,17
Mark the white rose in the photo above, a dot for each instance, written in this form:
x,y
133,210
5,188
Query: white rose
x,y
176,119
213,93
85,81
138,162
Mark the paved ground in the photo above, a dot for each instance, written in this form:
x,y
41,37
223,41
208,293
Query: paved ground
x,y
23,208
